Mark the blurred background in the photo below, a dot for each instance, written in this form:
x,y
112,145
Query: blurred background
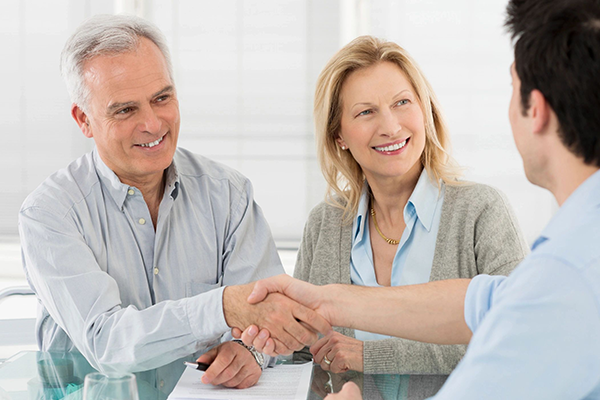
x,y
245,72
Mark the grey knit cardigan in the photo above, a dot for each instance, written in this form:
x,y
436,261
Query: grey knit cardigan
x,y
478,234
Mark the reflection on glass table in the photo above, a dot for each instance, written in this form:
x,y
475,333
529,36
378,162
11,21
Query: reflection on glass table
x,y
35,375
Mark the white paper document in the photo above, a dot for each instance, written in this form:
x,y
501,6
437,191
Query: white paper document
x,y
284,382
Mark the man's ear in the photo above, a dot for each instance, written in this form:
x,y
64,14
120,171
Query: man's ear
x,y
539,111
82,120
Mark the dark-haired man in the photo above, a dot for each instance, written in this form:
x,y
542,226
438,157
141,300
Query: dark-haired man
x,y
534,334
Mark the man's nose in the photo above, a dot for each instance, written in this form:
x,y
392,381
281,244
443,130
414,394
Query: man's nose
x,y
149,121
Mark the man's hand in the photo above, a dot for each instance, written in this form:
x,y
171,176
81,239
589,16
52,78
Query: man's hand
x,y
338,353
311,296
291,325
231,365
349,392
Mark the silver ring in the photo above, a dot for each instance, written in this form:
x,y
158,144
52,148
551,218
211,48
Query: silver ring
x,y
327,361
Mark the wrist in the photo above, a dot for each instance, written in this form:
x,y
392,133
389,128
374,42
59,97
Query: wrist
x,y
258,356
234,298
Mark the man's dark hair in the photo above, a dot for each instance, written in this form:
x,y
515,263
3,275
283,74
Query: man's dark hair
x,y
557,52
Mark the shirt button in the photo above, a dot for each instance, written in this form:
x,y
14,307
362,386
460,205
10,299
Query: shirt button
x,y
130,192
142,221
162,383
155,271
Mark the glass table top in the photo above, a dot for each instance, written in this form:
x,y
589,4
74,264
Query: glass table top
x,y
35,375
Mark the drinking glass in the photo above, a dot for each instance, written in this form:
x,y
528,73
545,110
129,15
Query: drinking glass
x,y
110,386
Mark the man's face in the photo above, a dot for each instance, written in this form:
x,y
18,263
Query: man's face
x,y
133,112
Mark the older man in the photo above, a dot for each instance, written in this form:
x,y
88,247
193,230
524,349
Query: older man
x,y
130,247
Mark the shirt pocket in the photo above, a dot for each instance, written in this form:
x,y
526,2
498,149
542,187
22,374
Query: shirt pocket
x,y
193,288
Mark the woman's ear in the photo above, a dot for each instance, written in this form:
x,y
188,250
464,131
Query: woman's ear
x,y
341,143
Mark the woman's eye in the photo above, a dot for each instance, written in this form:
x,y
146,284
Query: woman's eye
x,y
366,112
402,102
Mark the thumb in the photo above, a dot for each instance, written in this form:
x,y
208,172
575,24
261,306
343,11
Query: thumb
x,y
209,356
265,286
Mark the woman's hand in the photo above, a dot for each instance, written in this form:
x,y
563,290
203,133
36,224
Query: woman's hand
x,y
338,353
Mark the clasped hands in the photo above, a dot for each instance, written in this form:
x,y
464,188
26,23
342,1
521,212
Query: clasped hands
x,y
296,312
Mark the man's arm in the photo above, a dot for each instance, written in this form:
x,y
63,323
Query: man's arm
x,y
85,302
538,339
432,312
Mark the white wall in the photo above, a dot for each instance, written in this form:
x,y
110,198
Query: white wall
x,y
245,72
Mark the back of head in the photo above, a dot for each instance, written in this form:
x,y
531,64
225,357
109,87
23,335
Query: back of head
x,y
104,35
557,52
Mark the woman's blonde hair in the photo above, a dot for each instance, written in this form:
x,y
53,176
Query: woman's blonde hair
x,y
343,174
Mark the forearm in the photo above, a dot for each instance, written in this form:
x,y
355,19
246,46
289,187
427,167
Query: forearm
x,y
431,312
135,340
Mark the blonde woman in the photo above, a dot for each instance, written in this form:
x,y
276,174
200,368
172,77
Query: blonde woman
x,y
395,212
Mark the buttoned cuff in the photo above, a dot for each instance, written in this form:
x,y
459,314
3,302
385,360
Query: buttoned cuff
x,y
205,315
479,298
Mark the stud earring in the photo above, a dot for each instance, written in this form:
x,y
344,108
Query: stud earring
x,y
343,147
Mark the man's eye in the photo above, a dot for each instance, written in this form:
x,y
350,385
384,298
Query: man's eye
x,y
162,98
125,110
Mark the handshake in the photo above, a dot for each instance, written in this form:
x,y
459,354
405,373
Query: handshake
x,y
278,315
281,314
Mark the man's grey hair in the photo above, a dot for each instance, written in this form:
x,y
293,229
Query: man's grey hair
x,y
105,35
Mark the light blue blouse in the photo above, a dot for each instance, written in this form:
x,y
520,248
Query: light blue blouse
x,y
414,256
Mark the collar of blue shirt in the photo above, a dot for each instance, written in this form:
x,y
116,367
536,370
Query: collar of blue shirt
x,y
118,190
574,210
423,201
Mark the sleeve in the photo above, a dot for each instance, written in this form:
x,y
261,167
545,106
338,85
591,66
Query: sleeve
x,y
406,357
499,245
85,302
539,339
302,272
249,252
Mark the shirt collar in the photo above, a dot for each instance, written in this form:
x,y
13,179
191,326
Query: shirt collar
x,y
424,199
118,190
573,210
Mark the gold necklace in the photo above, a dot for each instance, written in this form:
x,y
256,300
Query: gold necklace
x,y
387,239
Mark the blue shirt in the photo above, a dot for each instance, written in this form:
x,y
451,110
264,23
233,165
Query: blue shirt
x,y
536,333
414,255
129,297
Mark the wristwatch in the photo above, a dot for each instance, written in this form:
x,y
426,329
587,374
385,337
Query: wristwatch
x,y
259,357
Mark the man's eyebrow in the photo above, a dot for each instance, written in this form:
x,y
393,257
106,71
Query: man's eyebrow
x,y
116,106
167,89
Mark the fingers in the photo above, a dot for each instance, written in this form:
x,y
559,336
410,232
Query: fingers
x,y
233,366
252,337
236,333
311,318
350,391
208,357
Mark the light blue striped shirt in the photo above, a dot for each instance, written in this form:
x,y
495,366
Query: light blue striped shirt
x,y
414,256
536,332
129,297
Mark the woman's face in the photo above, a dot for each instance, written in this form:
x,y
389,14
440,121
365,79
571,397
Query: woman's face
x,y
382,122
